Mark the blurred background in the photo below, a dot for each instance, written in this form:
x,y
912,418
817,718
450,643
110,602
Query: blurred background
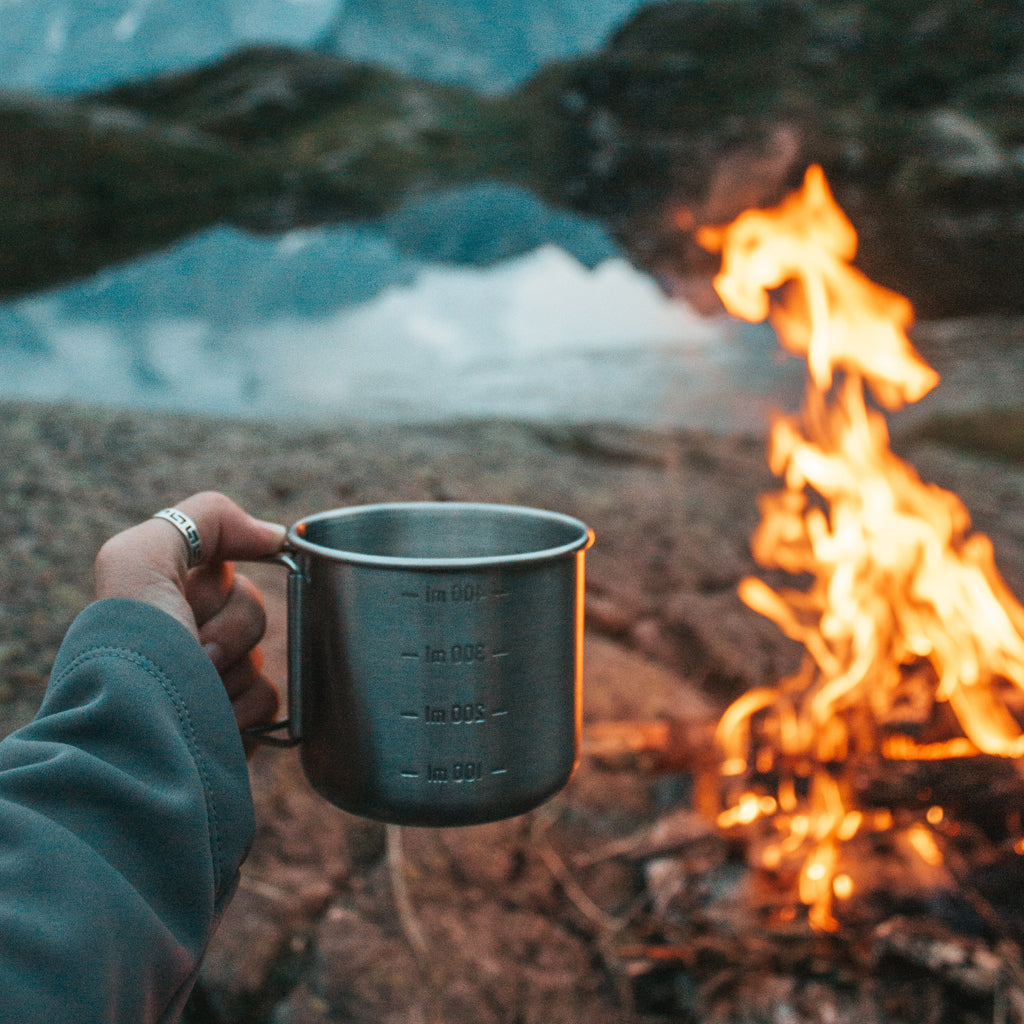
x,y
359,208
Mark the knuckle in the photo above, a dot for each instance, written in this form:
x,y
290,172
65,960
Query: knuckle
x,y
257,704
255,618
209,497
249,619
267,699
239,621
214,504
110,555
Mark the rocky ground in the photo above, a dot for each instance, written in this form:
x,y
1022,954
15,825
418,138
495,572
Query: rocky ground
x,y
342,920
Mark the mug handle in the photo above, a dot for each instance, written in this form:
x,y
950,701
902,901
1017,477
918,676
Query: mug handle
x,y
296,590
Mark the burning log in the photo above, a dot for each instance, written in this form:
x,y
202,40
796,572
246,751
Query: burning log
x,y
664,746
902,773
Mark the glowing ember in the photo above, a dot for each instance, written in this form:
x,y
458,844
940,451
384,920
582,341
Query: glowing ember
x,y
905,611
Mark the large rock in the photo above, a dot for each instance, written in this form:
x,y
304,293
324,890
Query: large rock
x,y
695,111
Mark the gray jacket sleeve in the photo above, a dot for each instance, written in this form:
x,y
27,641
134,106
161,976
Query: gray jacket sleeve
x,y
125,813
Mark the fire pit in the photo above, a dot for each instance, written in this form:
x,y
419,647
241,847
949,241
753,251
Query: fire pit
x,y
914,644
875,792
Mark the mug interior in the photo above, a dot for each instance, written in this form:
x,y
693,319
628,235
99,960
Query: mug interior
x,y
439,532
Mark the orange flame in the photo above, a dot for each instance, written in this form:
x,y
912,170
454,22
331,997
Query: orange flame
x,y
839,319
905,608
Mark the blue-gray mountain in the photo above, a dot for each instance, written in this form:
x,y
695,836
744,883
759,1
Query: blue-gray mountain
x,y
688,113
77,45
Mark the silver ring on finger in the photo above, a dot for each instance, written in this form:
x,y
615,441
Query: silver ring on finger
x,y
188,530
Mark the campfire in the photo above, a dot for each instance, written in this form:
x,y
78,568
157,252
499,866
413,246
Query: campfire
x,y
914,646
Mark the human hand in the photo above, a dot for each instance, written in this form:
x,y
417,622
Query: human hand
x,y
221,608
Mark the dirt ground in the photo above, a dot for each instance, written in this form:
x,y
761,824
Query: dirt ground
x,y
344,921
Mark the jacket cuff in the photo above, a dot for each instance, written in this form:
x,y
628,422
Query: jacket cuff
x,y
202,708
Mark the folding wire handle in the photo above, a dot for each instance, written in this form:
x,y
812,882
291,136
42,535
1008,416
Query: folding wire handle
x,y
297,581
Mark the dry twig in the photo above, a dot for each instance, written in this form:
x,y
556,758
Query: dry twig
x,y
606,927
407,918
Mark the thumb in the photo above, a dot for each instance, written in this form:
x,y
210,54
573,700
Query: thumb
x,y
149,562
227,532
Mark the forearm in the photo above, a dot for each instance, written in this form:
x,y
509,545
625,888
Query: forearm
x,y
125,813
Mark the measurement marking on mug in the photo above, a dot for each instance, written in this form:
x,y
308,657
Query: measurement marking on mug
x,y
465,593
467,713
410,714
410,654
459,771
455,654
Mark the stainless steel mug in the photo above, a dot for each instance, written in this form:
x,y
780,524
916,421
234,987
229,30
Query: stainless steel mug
x,y
435,658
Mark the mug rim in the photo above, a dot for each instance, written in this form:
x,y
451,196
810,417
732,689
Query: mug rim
x,y
583,540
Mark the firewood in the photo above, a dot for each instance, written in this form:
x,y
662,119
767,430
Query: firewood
x,y
663,746
981,785
964,960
